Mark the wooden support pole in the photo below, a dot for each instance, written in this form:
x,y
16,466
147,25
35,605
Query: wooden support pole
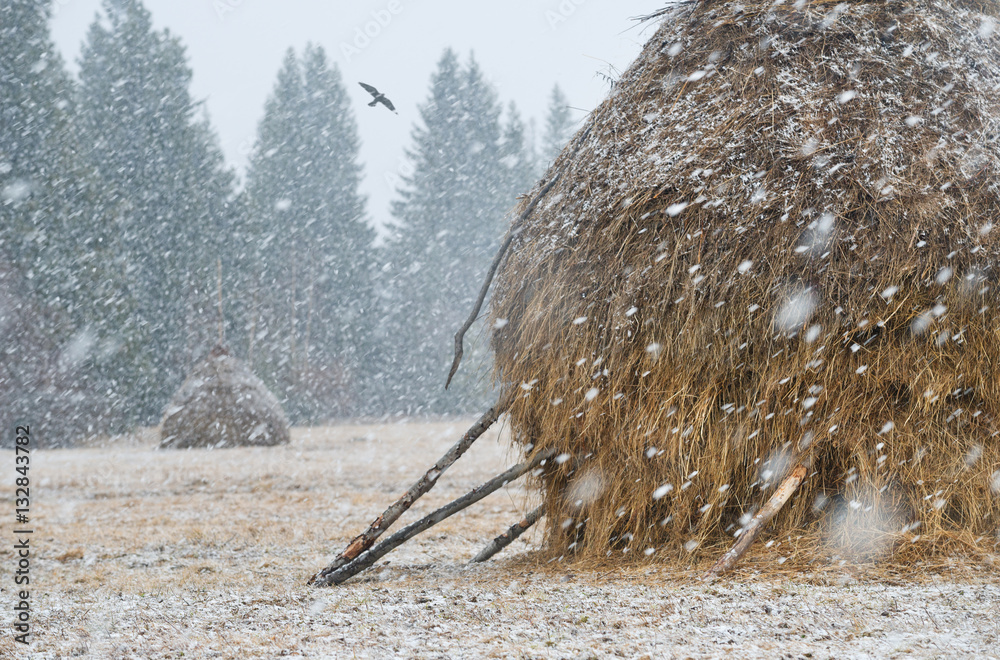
x,y
366,539
508,537
753,530
327,578
222,316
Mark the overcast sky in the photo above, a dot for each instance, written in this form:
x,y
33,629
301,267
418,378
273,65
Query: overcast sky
x,y
235,48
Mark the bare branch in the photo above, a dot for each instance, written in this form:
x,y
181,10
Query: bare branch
x,y
511,235
514,231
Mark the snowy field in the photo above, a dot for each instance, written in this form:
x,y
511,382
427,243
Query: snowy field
x,y
142,553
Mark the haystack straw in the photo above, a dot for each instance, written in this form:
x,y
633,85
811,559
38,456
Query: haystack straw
x,y
222,404
774,242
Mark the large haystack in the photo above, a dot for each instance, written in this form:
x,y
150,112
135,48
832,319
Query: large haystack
x,y
222,404
776,235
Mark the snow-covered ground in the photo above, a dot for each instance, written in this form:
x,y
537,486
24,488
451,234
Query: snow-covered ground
x,y
205,554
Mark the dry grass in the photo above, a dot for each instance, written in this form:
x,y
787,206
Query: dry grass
x,y
129,521
143,553
773,242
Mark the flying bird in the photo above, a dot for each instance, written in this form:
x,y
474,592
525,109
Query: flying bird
x,y
379,97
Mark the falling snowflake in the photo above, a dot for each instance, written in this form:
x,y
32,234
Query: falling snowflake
x,y
796,311
846,95
662,491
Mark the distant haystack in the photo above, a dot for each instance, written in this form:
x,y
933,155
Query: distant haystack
x,y
773,243
222,404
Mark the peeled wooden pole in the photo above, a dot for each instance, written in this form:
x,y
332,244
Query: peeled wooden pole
x,y
327,577
753,530
508,537
366,539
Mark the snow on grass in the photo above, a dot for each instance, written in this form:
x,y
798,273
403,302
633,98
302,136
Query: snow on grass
x,y
205,554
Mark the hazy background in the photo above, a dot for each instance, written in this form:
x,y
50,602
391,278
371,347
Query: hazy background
x,y
524,47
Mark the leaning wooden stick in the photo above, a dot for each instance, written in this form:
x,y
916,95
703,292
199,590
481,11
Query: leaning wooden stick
x,y
514,231
366,539
508,537
460,335
364,561
752,530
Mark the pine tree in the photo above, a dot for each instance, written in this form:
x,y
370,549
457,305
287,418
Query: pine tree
x,y
313,327
517,153
447,225
29,112
60,282
272,236
558,127
33,130
164,174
